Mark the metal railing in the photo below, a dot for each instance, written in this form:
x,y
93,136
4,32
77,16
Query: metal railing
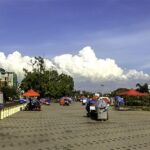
x,y
8,111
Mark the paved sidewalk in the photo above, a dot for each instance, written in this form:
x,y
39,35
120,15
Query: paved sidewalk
x,y
66,128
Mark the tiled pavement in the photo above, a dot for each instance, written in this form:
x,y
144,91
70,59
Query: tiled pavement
x,y
66,128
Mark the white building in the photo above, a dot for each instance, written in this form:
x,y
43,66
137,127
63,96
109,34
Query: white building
x,y
8,78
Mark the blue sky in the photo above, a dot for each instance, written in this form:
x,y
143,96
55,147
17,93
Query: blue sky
x,y
117,29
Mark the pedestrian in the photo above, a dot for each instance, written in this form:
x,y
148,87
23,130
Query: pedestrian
x,y
30,103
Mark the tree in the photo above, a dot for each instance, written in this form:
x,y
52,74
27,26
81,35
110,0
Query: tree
x,y
9,92
142,88
47,82
65,84
87,94
139,86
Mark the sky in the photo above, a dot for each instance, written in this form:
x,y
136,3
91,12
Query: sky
x,y
116,33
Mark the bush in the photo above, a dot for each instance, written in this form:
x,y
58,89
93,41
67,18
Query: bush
x,y
9,93
137,101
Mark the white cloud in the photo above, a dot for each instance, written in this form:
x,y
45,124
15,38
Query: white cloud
x,y
87,65
134,74
84,67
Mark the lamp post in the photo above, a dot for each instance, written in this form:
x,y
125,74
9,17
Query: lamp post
x,y
102,85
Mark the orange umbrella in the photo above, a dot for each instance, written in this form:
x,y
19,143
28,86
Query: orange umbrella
x,y
133,92
31,93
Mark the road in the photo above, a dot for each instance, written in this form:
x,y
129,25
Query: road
x,y
67,128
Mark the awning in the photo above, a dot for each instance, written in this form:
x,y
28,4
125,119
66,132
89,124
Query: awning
x,y
133,92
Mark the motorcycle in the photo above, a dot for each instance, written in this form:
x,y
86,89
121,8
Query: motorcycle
x,y
97,110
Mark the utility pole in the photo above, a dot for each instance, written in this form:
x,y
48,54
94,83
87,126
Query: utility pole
x,y
102,85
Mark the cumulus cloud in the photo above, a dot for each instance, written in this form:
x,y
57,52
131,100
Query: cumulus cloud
x,y
87,65
15,62
83,67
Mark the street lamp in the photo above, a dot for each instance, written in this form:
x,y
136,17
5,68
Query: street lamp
x,y
102,85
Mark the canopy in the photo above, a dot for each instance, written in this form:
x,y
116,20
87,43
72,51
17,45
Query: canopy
x,y
31,93
106,99
133,92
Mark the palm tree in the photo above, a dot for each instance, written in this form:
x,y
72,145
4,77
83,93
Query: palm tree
x,y
139,86
142,88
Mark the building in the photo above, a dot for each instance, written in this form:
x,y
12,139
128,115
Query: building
x,y
8,78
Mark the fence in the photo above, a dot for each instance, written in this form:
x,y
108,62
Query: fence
x,y
8,111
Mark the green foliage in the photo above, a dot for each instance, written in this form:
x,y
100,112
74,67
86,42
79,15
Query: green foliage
x,y
142,88
8,92
76,93
47,82
137,100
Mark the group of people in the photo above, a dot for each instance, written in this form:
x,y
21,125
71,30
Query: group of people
x,y
33,104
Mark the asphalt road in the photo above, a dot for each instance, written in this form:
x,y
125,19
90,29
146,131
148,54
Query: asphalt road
x,y
67,128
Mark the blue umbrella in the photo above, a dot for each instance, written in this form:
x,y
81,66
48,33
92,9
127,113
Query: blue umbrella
x,y
120,100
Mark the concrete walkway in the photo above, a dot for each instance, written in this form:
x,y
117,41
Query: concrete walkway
x,y
66,128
